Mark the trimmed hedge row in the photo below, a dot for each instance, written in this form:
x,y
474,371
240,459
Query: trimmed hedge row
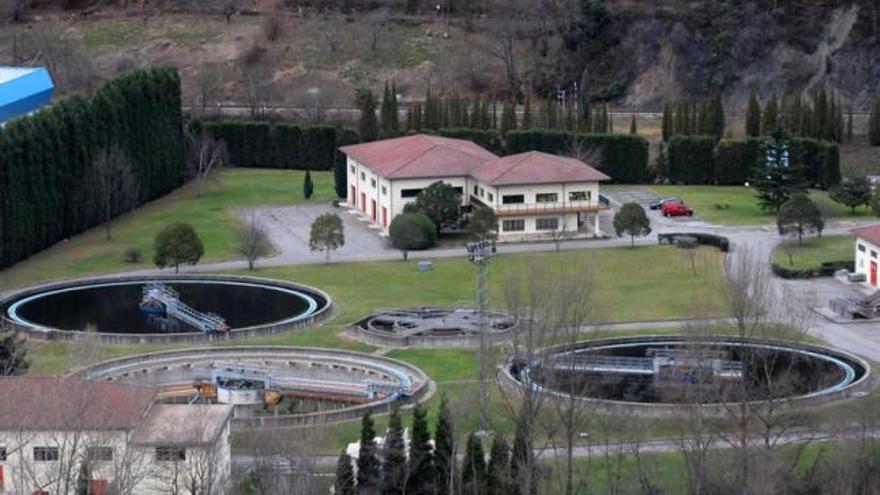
x,y
721,242
46,159
697,160
487,138
624,156
261,144
827,269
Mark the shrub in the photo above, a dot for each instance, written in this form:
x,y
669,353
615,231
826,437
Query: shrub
x,y
826,269
487,138
412,231
692,159
283,145
721,242
132,255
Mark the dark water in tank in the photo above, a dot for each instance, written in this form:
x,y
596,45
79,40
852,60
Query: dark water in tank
x,y
114,309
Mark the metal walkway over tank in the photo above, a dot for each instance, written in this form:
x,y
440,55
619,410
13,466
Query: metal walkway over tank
x,y
161,299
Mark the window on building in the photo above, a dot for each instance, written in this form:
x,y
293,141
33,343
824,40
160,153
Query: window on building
x,y
2,453
170,454
373,183
459,190
491,197
873,253
482,191
103,454
353,170
579,196
862,248
546,198
514,225
363,176
384,191
511,199
409,193
45,454
476,190
551,223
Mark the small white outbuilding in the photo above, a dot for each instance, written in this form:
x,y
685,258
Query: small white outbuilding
x,y
867,249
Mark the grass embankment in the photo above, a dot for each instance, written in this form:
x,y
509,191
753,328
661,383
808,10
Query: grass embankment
x,y
814,251
211,215
737,205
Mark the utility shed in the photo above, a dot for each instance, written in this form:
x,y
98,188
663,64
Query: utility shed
x,y
23,90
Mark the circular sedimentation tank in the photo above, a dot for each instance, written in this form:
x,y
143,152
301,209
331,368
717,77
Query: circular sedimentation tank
x,y
272,386
431,327
164,309
659,375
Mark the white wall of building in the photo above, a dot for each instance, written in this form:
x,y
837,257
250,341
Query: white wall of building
x,y
866,255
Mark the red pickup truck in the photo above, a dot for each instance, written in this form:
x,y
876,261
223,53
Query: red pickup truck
x,y
675,209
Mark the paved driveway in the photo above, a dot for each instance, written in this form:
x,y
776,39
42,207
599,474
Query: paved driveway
x,y
289,227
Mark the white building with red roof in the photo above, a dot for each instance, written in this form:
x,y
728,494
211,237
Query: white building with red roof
x,y
867,249
534,195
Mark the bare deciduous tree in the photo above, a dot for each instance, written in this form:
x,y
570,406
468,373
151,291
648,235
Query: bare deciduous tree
x,y
253,241
114,185
207,156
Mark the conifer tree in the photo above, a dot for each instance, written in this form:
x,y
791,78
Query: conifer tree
x,y
394,457
13,354
753,116
308,185
444,448
550,116
716,116
393,110
522,463
666,126
770,116
680,119
777,177
498,471
368,126
369,470
422,473
632,125
849,126
609,128
345,483
473,467
508,116
527,113
874,124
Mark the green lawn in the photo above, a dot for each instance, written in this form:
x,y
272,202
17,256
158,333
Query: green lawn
x,y
812,252
737,205
211,215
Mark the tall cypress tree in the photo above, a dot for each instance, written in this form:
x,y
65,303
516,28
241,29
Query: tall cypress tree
x,y
777,176
422,472
874,124
393,110
368,126
770,116
369,470
508,116
345,483
498,472
522,462
473,467
753,116
666,126
632,125
716,117
444,448
394,457
527,113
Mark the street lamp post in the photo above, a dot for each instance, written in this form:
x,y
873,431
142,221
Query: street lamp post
x,y
479,253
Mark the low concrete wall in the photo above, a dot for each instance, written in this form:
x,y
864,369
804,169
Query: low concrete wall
x,y
47,333
386,339
864,384
140,365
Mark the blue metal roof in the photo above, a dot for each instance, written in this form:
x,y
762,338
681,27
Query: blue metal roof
x,y
23,90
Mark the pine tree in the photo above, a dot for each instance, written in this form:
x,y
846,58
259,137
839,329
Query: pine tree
x,y
508,117
369,471
609,127
527,113
550,116
368,126
667,130
345,483
422,472
632,125
753,116
849,126
716,116
383,110
680,120
394,457
874,124
778,177
444,448
770,116
308,185
522,460
498,472
393,110
473,467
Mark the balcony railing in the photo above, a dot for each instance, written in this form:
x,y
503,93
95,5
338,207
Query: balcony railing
x,y
548,208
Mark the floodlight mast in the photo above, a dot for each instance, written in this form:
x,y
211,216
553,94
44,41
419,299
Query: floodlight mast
x,y
479,253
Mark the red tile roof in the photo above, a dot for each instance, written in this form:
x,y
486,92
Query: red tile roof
x,y
70,404
535,167
870,233
419,156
